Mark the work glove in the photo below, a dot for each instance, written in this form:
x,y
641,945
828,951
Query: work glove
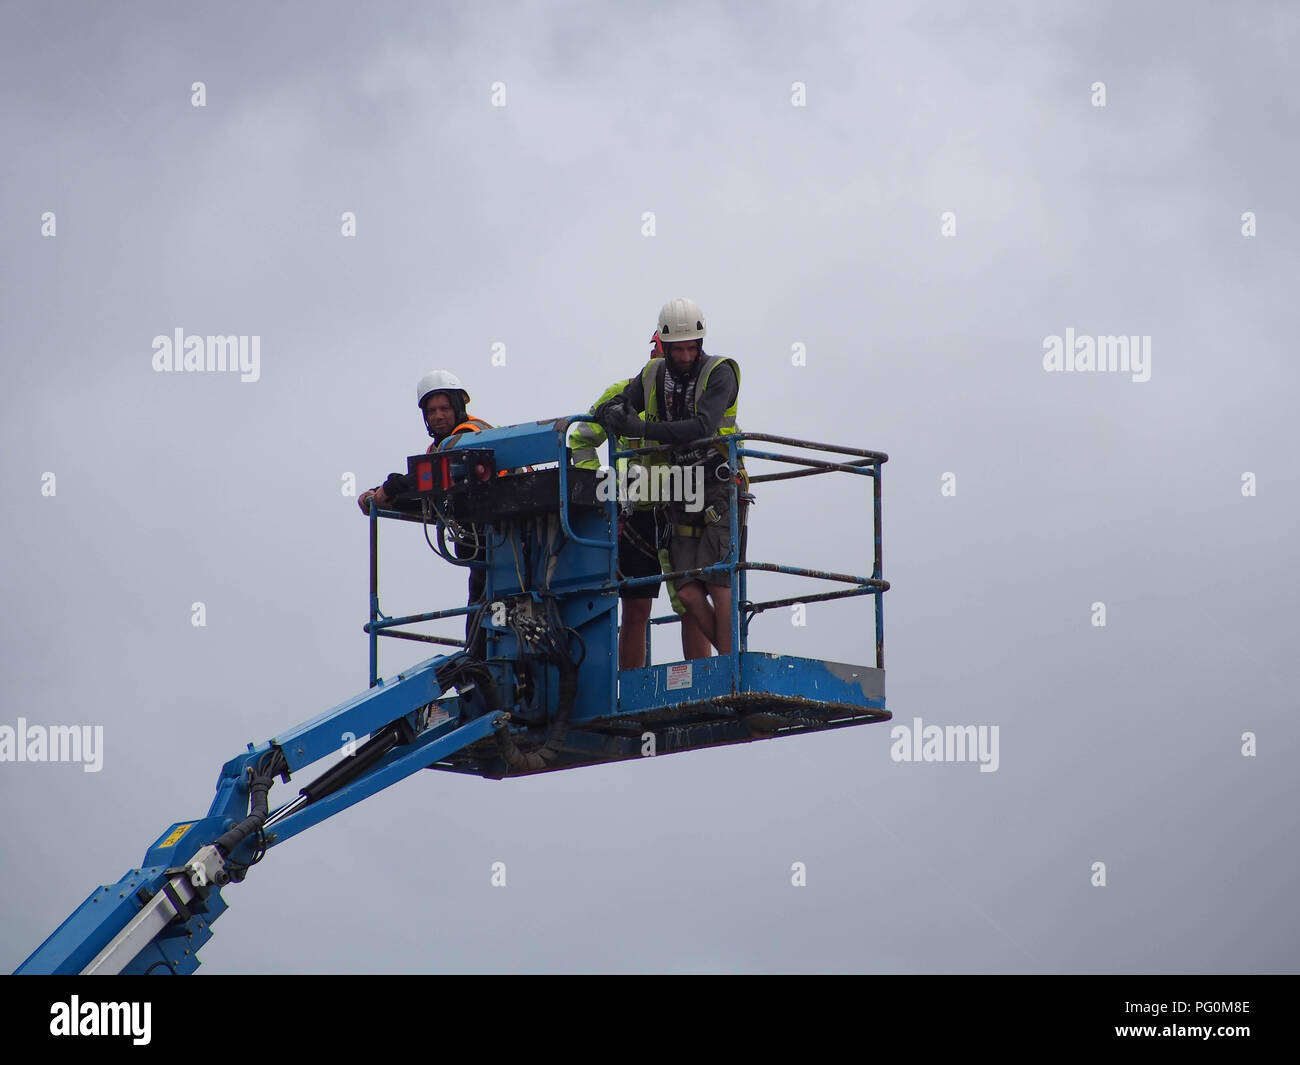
x,y
623,422
609,412
398,484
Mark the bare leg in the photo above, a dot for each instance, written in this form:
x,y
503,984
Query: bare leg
x,y
722,617
694,643
697,606
631,634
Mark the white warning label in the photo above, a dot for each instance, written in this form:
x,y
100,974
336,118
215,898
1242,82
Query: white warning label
x,y
679,676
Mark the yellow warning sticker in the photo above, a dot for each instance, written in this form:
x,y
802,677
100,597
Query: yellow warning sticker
x,y
175,834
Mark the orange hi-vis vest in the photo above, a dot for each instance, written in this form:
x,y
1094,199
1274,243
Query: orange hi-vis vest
x,y
469,425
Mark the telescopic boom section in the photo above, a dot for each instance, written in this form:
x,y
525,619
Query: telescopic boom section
x,y
157,916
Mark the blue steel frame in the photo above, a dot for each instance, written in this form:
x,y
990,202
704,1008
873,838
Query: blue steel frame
x,y
382,625
863,464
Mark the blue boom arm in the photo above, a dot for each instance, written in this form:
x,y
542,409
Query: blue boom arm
x,y
157,917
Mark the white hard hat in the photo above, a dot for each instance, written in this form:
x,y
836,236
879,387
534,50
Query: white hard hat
x,y
681,319
439,381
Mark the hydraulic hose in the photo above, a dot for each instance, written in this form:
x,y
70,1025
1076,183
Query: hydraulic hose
x,y
544,757
259,784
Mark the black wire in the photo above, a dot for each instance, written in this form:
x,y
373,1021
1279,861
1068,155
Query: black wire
x,y
522,646
557,630
582,642
240,869
457,532
439,550
260,852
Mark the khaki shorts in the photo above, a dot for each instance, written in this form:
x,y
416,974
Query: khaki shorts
x,y
711,545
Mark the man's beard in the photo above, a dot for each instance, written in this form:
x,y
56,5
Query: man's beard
x,y
682,375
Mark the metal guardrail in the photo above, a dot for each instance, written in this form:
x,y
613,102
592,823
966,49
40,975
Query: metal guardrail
x,y
857,461
863,463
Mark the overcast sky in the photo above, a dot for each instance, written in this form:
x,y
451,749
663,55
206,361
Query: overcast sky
x,y
921,195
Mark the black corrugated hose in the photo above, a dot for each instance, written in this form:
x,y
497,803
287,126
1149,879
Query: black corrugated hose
x,y
269,766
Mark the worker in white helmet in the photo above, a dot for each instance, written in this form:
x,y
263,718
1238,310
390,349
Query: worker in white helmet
x,y
442,400
639,552
686,396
